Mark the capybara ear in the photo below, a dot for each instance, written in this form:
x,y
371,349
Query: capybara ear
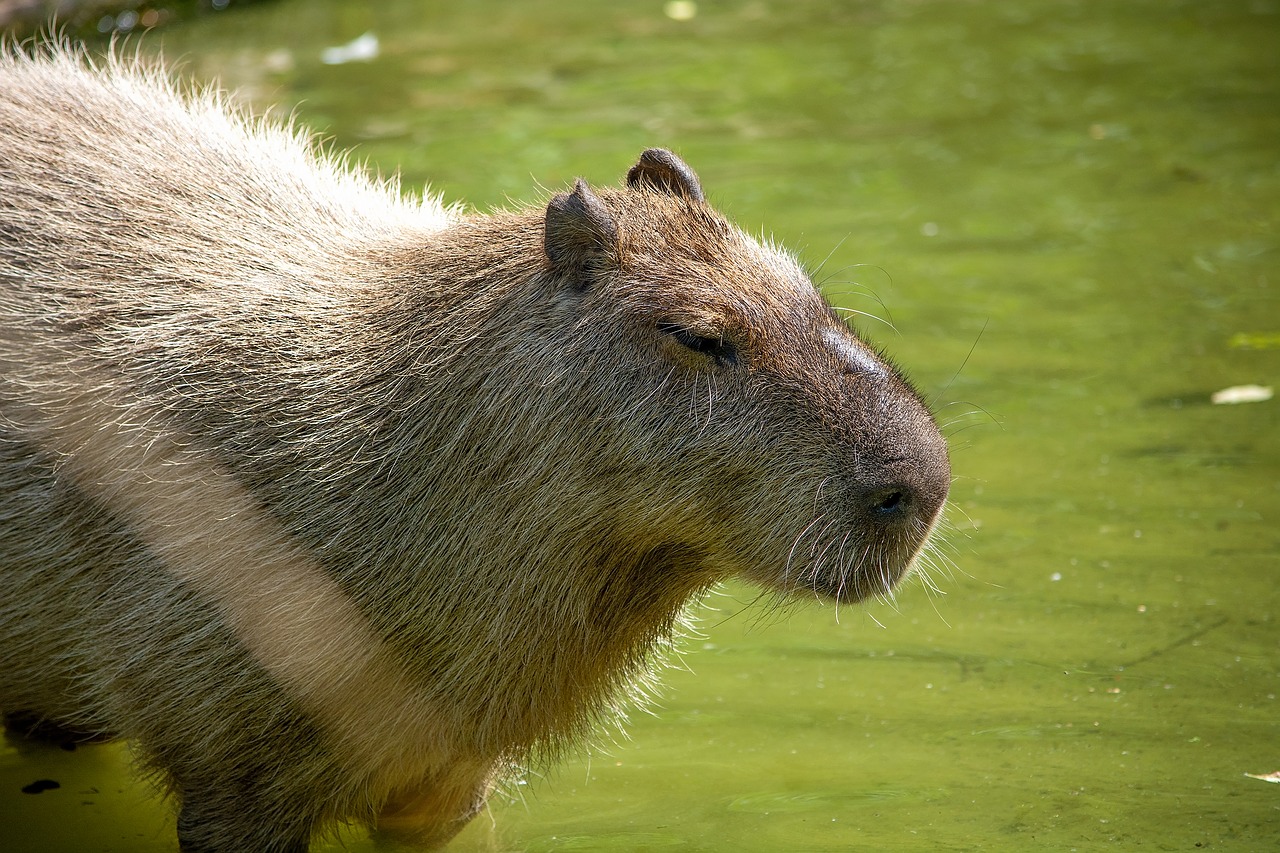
x,y
659,169
579,234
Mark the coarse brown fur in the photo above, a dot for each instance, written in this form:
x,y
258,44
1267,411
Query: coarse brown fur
x,y
341,505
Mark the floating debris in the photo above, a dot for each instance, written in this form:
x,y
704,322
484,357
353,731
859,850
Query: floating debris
x,y
361,49
1242,394
1266,777
680,10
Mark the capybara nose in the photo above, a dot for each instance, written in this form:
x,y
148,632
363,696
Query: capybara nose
x,y
904,503
892,504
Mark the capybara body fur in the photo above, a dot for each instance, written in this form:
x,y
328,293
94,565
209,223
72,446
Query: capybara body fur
x,y
342,505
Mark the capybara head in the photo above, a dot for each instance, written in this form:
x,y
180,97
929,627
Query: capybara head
x,y
728,415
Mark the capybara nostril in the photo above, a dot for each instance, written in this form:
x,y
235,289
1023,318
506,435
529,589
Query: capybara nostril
x,y
891,504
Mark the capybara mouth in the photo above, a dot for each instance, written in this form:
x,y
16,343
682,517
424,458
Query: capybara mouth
x,y
849,569
878,574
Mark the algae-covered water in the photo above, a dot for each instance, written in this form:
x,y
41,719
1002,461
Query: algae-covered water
x,y
1066,213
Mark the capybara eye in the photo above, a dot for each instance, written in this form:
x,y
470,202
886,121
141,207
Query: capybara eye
x,y
717,347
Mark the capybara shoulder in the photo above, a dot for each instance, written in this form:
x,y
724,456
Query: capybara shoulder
x,y
342,505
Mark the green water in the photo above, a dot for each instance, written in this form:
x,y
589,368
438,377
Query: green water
x,y
1069,211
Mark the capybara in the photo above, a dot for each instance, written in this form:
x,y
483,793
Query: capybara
x,y
343,506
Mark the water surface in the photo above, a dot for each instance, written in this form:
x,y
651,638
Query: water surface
x,y
1067,211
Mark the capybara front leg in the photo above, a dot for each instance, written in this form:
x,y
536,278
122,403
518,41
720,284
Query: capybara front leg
x,y
221,827
427,819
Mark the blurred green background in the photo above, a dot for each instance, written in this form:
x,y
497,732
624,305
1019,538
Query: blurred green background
x,y
1066,214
